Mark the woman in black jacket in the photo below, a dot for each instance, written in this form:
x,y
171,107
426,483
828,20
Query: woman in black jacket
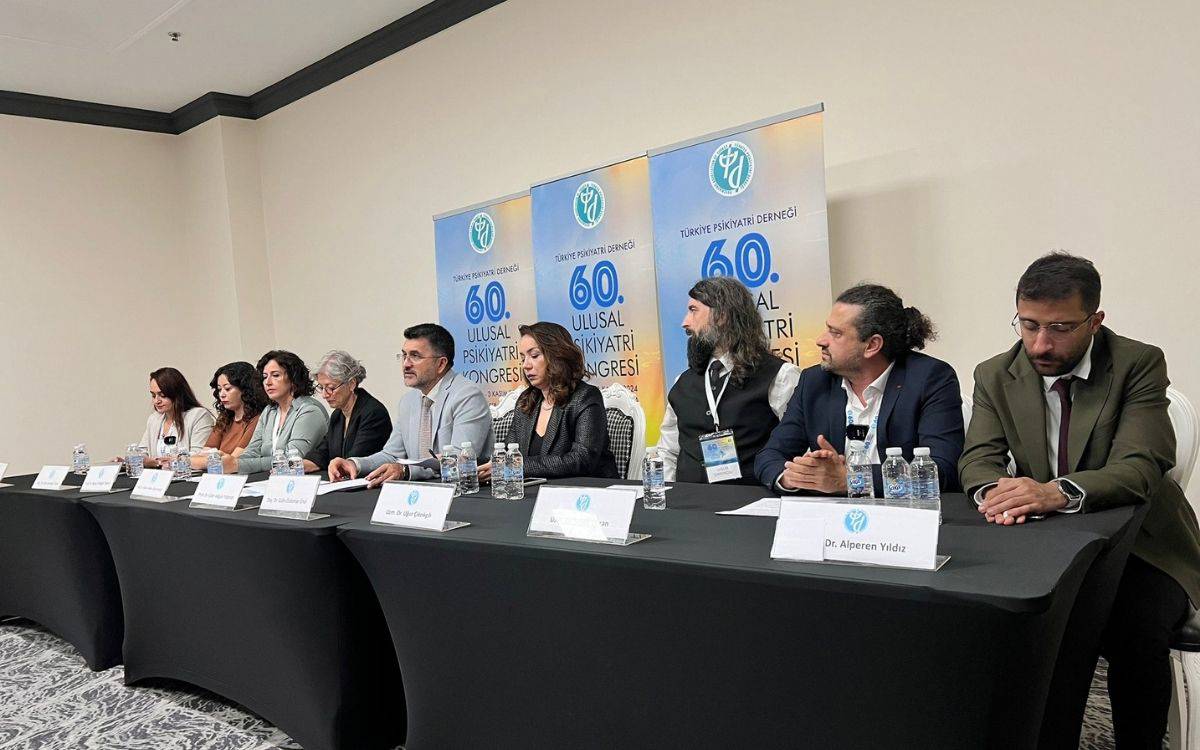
x,y
559,420
359,424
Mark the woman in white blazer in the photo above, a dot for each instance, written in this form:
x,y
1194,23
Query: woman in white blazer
x,y
293,419
177,413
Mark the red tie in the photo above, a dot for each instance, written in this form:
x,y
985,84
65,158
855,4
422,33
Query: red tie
x,y
1062,387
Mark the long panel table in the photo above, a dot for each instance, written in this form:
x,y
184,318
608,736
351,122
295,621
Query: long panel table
x,y
695,638
692,638
55,569
272,613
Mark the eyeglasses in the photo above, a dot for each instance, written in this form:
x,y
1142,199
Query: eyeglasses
x,y
329,390
403,357
1053,330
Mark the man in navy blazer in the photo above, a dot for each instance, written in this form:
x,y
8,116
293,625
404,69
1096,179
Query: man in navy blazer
x,y
869,375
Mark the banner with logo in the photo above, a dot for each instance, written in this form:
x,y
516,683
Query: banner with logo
x,y
594,257
746,202
486,288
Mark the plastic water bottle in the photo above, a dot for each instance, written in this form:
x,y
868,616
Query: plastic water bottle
x,y
80,461
167,459
499,477
135,460
926,490
295,462
214,465
654,487
449,467
896,480
468,470
860,481
514,472
182,464
278,462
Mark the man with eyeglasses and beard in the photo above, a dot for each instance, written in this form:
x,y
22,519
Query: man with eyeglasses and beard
x,y
721,410
1083,413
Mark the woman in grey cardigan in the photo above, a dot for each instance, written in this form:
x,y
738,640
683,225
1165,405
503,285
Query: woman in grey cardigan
x,y
294,419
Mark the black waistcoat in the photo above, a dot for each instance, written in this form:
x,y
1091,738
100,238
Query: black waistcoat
x,y
743,409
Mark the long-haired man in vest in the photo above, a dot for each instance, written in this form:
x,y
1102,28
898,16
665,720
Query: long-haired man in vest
x,y
723,407
869,376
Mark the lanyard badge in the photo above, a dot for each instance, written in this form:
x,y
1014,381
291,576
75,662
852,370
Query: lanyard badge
x,y
718,448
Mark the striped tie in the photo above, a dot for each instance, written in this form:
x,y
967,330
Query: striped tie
x,y
425,439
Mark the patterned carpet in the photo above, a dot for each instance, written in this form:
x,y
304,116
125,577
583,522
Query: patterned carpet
x,y
50,700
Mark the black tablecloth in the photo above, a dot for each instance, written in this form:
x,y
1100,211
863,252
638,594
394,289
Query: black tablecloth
x,y
696,638
274,614
55,569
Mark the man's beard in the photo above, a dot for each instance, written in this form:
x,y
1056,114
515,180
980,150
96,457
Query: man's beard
x,y
700,349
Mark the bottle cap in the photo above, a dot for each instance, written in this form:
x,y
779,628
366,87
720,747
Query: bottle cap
x,y
920,452
447,448
498,447
894,452
466,444
514,446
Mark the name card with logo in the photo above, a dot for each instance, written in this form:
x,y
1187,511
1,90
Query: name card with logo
x,y
416,505
51,478
152,485
857,532
291,497
100,478
3,468
585,514
219,492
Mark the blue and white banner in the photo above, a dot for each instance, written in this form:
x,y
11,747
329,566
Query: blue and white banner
x,y
747,202
486,288
594,254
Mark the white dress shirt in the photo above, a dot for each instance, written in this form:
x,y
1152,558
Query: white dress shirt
x,y
1081,371
778,396
866,411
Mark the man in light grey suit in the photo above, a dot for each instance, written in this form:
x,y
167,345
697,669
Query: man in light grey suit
x,y
444,408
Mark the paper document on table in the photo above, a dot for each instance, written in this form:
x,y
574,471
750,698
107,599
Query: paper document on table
x,y
768,506
349,484
633,487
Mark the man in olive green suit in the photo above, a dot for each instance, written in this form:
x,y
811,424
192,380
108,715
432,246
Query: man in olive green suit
x,y
1083,413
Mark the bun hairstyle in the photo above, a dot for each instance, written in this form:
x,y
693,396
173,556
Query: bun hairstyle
x,y
883,312
342,367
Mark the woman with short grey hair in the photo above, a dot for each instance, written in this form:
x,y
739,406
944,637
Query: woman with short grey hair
x,y
359,424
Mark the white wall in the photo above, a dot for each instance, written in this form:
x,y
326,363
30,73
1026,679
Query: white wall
x,y
962,141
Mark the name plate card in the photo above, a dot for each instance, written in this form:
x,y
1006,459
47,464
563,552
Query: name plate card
x,y
219,491
864,533
51,477
100,478
416,505
585,514
152,485
3,468
289,496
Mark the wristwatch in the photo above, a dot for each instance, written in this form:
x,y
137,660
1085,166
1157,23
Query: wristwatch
x,y
1072,493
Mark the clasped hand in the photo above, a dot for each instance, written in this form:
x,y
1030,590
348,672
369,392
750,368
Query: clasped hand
x,y
822,470
1015,498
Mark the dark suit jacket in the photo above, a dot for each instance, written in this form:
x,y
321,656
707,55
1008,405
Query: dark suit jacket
x,y
922,407
370,426
1121,443
576,441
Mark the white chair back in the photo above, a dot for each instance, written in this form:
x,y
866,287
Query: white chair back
x,y
967,407
620,399
1184,420
502,414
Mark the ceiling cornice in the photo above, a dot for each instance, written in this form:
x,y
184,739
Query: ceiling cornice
x,y
421,24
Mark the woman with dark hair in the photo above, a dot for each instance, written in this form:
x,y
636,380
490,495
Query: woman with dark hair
x,y
559,421
239,400
359,424
292,419
177,413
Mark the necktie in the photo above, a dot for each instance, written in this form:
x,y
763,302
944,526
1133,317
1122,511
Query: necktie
x,y
425,438
1062,387
714,376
